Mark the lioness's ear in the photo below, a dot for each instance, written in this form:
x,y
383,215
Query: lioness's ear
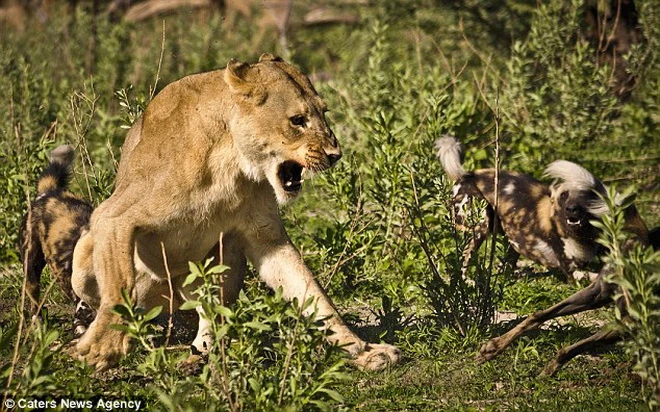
x,y
269,57
236,77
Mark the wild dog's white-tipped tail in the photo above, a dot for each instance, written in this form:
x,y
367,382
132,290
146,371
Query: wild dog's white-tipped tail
x,y
449,153
62,155
58,172
576,178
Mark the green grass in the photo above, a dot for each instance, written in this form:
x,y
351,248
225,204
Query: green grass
x,y
438,369
374,228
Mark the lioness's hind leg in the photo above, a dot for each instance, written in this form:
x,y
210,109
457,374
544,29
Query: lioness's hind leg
x,y
83,278
232,256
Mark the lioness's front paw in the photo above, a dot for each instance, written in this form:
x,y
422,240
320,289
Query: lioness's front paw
x,y
376,357
101,347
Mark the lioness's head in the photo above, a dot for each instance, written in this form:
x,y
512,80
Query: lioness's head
x,y
279,129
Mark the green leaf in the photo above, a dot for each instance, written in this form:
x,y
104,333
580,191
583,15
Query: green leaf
x,y
223,310
258,326
155,311
217,269
123,311
190,278
333,394
190,304
126,297
255,385
121,328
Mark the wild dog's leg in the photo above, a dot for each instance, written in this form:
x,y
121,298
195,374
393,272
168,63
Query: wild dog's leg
x,y
511,257
479,234
603,337
203,339
594,296
60,263
32,257
82,318
113,249
280,265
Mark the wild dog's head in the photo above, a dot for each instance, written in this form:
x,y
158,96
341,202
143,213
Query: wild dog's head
x,y
576,199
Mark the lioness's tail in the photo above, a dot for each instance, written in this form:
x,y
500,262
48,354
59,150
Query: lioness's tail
x,y
58,172
449,153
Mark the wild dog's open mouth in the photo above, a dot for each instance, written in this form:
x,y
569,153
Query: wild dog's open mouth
x,y
290,175
573,221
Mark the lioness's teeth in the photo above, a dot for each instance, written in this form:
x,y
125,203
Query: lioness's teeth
x,y
288,183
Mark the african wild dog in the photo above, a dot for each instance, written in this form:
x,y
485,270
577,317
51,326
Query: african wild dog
x,y
53,223
549,224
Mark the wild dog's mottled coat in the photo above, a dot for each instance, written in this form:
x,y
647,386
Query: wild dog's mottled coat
x,y
548,224
52,226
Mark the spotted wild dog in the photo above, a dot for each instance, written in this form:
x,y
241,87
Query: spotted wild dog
x,y
547,223
52,226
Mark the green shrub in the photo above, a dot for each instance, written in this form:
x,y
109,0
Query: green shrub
x,y
266,355
637,272
555,95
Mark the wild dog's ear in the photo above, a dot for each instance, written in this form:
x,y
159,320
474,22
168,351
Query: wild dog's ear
x,y
270,57
554,190
237,77
625,199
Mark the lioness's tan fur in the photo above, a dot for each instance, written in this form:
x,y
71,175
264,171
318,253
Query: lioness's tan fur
x,y
207,157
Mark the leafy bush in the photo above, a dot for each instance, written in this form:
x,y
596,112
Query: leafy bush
x,y
555,96
637,272
266,355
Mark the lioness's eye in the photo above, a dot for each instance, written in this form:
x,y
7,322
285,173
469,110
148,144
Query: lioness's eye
x,y
298,120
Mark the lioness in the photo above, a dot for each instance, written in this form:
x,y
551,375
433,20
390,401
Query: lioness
x,y
213,153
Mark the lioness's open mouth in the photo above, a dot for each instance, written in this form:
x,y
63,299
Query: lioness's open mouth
x,y
290,175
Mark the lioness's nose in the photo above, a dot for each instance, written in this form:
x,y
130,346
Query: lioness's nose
x,y
333,151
